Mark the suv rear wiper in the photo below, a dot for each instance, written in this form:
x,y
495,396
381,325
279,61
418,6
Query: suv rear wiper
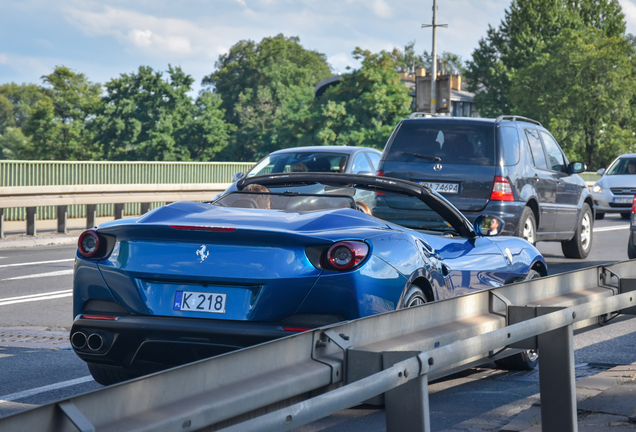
x,y
433,158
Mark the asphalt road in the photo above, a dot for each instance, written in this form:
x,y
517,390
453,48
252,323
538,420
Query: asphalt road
x,y
35,295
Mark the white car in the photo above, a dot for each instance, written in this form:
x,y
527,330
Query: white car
x,y
615,191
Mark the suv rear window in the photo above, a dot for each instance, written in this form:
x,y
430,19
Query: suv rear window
x,y
452,142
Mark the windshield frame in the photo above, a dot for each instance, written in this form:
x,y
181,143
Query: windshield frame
x,y
432,199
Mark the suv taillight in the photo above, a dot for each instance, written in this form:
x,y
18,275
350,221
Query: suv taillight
x,y
634,205
380,173
501,190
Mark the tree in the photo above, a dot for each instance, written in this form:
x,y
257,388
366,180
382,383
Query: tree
x,y
146,117
523,35
267,93
365,107
408,61
56,125
583,85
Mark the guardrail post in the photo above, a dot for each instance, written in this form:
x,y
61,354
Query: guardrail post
x,y
1,223
119,211
556,378
31,218
145,208
62,215
406,406
91,214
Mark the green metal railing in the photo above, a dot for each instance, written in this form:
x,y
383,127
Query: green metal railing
x,y
48,173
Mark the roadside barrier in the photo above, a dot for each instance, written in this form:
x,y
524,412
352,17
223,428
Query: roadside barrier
x,y
31,197
387,358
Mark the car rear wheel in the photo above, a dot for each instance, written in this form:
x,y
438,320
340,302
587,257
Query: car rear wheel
x,y
414,297
580,245
527,228
107,376
526,360
600,216
631,249
626,215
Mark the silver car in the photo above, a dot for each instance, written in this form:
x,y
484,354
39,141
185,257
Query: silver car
x,y
615,191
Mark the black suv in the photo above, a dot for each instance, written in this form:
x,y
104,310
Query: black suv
x,y
510,167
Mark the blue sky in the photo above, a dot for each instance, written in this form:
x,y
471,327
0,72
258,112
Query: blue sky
x,y
105,38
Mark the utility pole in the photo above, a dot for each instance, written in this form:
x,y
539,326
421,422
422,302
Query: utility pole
x,y
434,71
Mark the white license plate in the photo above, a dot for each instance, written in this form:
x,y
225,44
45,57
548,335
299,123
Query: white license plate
x,y
623,200
195,301
449,188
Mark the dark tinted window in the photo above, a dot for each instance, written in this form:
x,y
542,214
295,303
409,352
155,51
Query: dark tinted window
x,y
554,153
453,142
622,166
536,148
509,144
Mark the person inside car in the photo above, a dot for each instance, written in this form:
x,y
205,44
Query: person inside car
x,y
262,200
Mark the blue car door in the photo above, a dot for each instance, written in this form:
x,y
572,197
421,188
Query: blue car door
x,y
473,264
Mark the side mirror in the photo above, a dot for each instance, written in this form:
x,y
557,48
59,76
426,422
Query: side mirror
x,y
486,225
601,171
237,176
577,167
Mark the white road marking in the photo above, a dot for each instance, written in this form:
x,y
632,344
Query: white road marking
x,y
614,228
35,391
37,263
36,297
39,275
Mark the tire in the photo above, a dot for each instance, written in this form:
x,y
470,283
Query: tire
x,y
626,215
580,245
631,248
106,376
413,297
526,360
527,228
600,216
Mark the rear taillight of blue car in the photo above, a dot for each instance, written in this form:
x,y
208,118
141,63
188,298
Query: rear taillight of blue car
x,y
93,245
346,255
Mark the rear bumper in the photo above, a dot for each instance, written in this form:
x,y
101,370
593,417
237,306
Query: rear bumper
x,y
142,344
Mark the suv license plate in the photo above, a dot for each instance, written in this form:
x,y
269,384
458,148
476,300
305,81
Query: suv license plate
x,y
449,188
194,301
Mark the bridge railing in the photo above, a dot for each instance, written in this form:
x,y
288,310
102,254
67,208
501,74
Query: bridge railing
x,y
32,197
387,358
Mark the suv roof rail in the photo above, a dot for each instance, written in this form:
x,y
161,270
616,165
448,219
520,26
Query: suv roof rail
x,y
515,118
423,114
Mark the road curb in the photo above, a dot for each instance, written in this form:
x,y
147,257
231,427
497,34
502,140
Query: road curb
x,y
37,241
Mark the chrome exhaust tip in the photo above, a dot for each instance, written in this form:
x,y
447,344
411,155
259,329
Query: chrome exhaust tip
x,y
95,342
78,340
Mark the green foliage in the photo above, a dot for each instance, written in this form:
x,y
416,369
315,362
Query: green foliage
x,y
365,107
12,143
144,117
408,61
267,93
56,124
16,102
582,88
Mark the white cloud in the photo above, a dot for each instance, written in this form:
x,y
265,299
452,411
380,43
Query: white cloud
x,y
629,9
380,8
4,59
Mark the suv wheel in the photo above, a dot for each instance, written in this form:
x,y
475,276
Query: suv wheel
x,y
527,228
581,244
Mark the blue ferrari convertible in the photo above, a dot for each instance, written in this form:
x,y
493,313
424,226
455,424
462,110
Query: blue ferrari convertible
x,y
284,253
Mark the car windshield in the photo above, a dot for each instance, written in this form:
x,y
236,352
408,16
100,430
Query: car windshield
x,y
622,166
443,141
395,207
307,161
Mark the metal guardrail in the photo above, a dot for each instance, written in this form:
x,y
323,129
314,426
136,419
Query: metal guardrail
x,y
390,358
31,197
50,173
